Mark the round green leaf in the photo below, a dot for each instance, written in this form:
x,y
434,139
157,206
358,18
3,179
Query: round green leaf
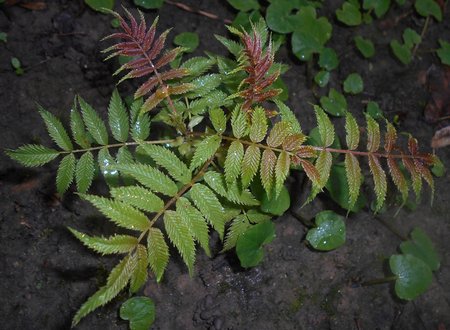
x,y
15,62
276,206
99,4
149,4
413,276
353,84
329,232
402,52
189,40
245,19
244,5
421,247
365,46
374,111
335,103
249,245
140,311
380,7
349,14
328,59
337,187
428,8
438,168
279,16
322,78
444,52
310,33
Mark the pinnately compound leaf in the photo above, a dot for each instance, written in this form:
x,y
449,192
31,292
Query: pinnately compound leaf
x,y
84,172
64,176
281,171
354,178
139,197
117,280
373,134
158,252
179,234
169,161
140,273
379,179
118,118
152,178
258,128
107,245
233,161
56,130
196,223
208,204
250,164
267,171
326,128
95,126
352,131
205,150
32,155
278,134
120,213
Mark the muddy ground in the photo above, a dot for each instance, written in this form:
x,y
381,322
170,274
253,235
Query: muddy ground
x,y
45,274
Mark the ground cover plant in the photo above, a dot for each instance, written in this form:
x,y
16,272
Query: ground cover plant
x,y
208,143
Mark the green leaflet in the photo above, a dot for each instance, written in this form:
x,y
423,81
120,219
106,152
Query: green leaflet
x,y
250,164
208,204
288,116
124,157
94,124
379,179
158,252
79,133
238,226
138,197
64,176
117,280
204,84
354,179
111,245
198,65
153,179
233,161
169,161
278,134
140,273
239,123
56,130
218,119
120,213
267,170
179,234
196,223
118,118
32,155
326,128
373,134
108,167
84,172
205,150
258,128
281,171
352,131
232,46
323,166
140,129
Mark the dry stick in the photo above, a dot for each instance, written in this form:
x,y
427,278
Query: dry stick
x,y
189,9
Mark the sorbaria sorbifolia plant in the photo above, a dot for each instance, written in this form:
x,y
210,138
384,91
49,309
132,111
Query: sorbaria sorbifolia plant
x,y
175,189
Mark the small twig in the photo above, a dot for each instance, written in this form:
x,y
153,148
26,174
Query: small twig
x,y
379,281
189,9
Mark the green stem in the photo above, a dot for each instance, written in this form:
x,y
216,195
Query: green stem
x,y
422,35
379,281
118,145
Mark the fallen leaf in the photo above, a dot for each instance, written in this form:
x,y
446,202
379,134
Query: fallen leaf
x,y
438,84
33,5
441,138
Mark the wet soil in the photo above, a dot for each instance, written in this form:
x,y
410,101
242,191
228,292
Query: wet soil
x,y
45,274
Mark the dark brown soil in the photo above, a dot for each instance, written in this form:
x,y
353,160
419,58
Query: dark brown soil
x,y
45,274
